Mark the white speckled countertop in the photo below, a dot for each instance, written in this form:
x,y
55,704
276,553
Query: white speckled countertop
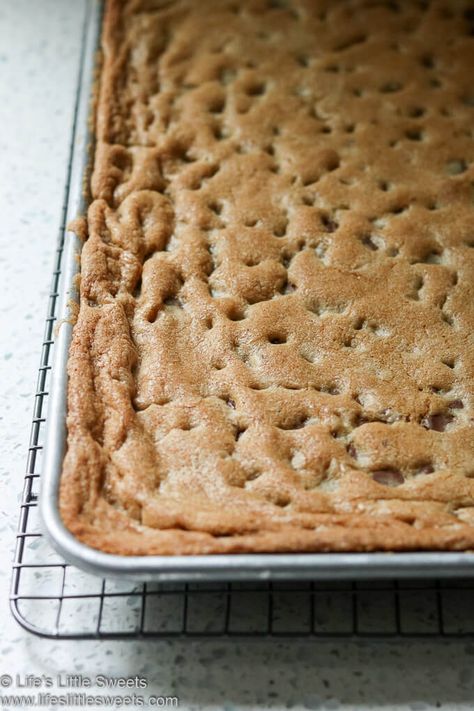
x,y
39,54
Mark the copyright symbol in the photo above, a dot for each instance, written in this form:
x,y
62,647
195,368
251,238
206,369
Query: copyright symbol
x,y
6,680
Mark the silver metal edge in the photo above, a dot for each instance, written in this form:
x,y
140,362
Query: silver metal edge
x,y
322,566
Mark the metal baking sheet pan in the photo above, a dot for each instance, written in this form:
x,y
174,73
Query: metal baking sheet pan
x,y
176,568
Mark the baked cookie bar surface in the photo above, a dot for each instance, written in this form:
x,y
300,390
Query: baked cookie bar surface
x,y
274,348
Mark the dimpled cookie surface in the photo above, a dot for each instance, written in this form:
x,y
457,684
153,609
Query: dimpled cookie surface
x,y
274,348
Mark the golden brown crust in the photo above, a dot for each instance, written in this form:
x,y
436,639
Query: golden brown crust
x,y
274,348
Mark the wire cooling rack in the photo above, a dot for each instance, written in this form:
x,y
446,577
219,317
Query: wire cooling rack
x,y
53,599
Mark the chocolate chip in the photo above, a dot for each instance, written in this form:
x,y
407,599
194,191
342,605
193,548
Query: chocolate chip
x,y
329,224
388,477
437,422
296,424
172,301
425,469
231,404
456,404
351,450
367,242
